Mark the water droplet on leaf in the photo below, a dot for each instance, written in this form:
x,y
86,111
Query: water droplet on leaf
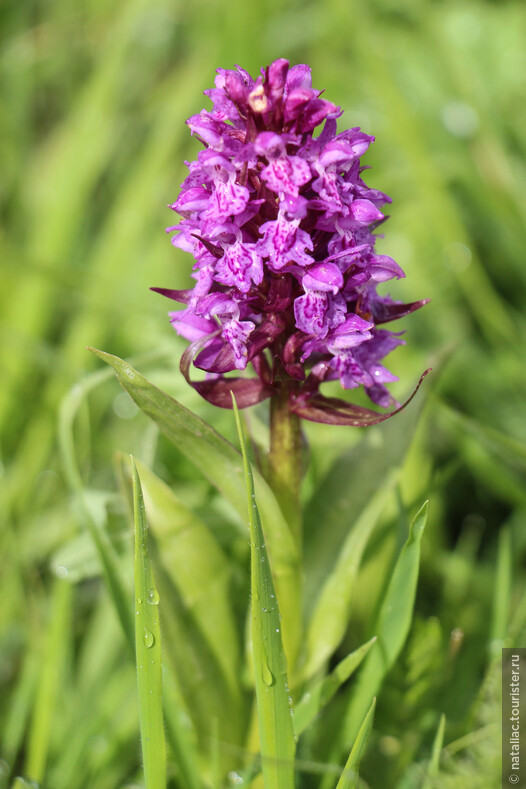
x,y
153,596
149,640
268,677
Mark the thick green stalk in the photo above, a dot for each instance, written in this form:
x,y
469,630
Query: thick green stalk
x,y
285,459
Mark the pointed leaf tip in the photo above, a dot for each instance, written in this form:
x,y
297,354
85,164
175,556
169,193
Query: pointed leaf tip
x,y
101,354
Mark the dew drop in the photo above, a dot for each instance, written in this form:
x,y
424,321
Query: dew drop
x,y
139,600
268,677
153,596
149,640
235,778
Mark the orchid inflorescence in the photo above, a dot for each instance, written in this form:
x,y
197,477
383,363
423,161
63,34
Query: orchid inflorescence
x,y
281,227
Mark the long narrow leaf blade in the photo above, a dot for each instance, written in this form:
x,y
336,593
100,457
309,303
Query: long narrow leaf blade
x,y
197,565
199,635
434,762
502,594
332,611
57,637
348,486
179,736
106,553
349,777
315,699
270,666
148,651
393,624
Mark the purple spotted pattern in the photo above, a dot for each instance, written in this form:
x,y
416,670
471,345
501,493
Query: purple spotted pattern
x,y
281,227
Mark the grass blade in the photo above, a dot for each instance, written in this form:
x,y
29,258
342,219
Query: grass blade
x,y
349,777
323,691
58,636
393,624
200,641
434,762
331,614
148,651
180,736
196,564
348,486
502,595
105,550
270,666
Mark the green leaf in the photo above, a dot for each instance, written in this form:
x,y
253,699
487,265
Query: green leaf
x,y
208,696
199,634
323,691
106,553
270,666
349,777
333,607
195,563
502,593
393,625
179,736
347,487
57,636
434,762
221,464
148,650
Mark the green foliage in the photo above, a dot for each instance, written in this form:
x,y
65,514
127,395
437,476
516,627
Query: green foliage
x,y
275,727
349,777
148,649
93,102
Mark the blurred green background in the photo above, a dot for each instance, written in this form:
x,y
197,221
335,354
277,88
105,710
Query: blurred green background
x,y
93,99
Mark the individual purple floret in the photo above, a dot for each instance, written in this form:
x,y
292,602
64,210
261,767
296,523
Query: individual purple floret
x,y
281,227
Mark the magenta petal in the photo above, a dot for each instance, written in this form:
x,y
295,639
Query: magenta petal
x,y
365,212
218,357
190,326
247,391
194,199
323,276
298,77
277,75
286,174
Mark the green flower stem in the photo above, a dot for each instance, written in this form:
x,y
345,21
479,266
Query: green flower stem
x,y
284,478
284,460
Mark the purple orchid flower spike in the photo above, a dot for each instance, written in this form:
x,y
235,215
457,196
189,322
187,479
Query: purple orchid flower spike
x,y
281,227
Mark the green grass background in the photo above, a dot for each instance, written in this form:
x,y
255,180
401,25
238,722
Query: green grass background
x,y
93,99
